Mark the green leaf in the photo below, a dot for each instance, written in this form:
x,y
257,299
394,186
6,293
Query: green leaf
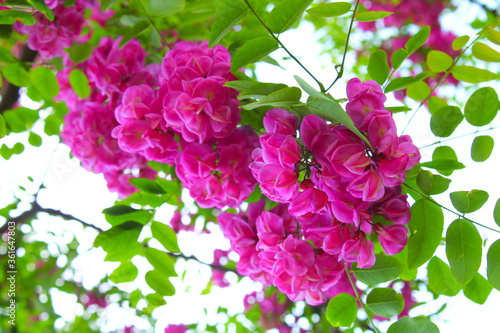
x,y
439,61
436,103
11,16
443,164
147,185
80,83
20,119
398,57
385,269
161,261
413,325
106,4
468,202
397,109
7,152
378,67
160,283
229,13
432,184
460,42
3,129
330,9
484,52
493,36
80,52
426,227
45,82
478,289
42,7
155,300
120,242
332,111
418,91
493,267
260,90
472,74
281,98
482,147
385,302
482,107
165,235
441,281
342,310
16,75
162,8
446,120
286,14
496,213
253,51
417,40
372,16
126,272
404,82
463,250
135,297
240,85
34,139
311,91
134,31
448,158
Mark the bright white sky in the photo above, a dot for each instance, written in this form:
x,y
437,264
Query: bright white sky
x,y
75,191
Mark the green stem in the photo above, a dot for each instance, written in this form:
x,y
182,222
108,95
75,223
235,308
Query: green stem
x,y
448,72
449,210
153,25
460,136
321,86
341,72
359,298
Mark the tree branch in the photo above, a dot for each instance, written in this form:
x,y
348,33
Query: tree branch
x,y
36,208
10,94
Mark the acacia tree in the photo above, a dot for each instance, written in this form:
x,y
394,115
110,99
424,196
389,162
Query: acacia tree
x,y
324,200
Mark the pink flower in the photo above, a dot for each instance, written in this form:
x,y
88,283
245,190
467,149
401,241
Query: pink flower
x,y
175,329
359,250
309,203
281,121
280,149
270,229
297,256
395,210
393,238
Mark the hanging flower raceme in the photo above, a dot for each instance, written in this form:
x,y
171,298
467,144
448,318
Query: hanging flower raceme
x,y
331,182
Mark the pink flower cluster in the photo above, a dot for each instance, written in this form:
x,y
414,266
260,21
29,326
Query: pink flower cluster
x,y
216,172
50,38
90,123
177,113
195,103
330,184
405,11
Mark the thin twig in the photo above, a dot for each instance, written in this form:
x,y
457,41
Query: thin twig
x,y
321,86
359,298
446,74
447,209
459,137
341,72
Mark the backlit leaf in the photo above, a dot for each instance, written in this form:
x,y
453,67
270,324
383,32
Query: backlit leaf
x,y
482,147
463,250
426,228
